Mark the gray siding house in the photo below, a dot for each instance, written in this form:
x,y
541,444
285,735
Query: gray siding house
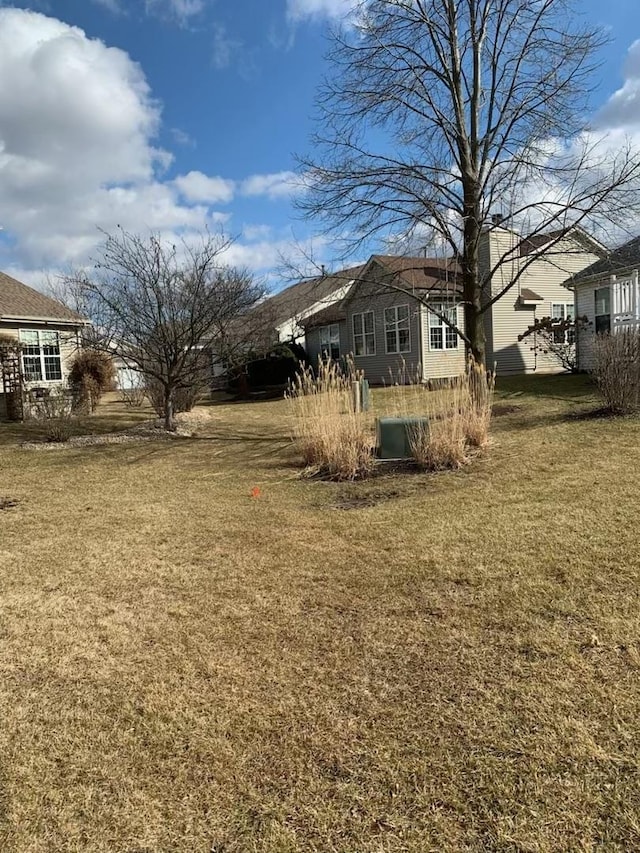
x,y
383,324
607,294
382,320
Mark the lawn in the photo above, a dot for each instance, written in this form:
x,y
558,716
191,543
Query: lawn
x,y
416,663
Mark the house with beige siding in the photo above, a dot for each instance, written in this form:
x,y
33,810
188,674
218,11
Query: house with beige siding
x,y
540,266
607,294
48,333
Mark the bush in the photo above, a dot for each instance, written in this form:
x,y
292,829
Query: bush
x,y
617,370
335,441
277,367
54,407
458,411
90,375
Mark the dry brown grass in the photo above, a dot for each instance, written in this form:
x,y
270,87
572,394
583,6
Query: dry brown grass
x,y
337,440
333,439
186,668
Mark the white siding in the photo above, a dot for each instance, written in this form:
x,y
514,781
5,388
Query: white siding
x,y
585,307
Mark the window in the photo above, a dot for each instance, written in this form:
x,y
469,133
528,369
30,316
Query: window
x,y
603,310
563,311
330,342
41,355
396,329
364,338
442,336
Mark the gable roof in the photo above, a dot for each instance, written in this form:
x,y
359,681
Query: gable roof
x,y
414,275
534,242
299,298
622,258
425,275
20,302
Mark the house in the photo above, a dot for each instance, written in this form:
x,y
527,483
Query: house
x,y
607,294
542,263
383,323
48,333
382,319
285,311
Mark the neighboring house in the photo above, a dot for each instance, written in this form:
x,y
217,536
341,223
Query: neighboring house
x,y
48,331
607,293
545,261
286,311
382,322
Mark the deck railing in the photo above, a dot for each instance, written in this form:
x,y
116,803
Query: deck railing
x,y
625,296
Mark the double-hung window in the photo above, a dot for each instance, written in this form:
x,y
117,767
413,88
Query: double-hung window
x,y
603,310
563,311
330,342
396,329
442,336
364,336
41,355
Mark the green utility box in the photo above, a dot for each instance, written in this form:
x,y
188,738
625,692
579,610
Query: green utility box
x,y
394,435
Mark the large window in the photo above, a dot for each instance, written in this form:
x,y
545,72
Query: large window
x,y
603,310
563,311
396,329
442,336
364,337
41,355
330,342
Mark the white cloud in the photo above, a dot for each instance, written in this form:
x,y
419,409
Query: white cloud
x,y
275,185
224,47
78,125
180,10
623,107
298,10
198,187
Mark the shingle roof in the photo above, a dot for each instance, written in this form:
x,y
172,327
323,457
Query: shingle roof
x,y
625,256
300,297
17,301
530,295
429,275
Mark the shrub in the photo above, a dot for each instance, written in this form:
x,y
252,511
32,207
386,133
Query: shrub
x,y
90,375
54,407
334,440
458,411
617,370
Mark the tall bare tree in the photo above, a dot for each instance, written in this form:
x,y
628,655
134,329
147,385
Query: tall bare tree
x,y
156,305
438,114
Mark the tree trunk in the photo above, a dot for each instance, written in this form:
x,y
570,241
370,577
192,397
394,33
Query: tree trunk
x,y
169,423
471,282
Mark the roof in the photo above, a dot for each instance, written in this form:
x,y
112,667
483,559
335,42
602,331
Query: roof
x,y
534,242
300,297
622,258
426,275
528,295
419,275
20,302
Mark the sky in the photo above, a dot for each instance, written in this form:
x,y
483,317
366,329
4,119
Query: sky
x,y
180,115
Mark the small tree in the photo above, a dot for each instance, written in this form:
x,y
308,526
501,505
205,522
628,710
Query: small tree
x,y
157,305
617,370
557,337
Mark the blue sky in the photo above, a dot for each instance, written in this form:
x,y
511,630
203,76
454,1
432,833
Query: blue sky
x,y
175,114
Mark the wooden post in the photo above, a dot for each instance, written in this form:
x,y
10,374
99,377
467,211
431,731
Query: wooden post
x,y
357,401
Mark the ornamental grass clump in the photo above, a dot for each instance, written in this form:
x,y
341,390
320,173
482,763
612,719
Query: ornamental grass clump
x,y
451,419
334,439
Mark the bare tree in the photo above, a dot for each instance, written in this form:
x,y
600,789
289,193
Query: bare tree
x,y
158,306
441,113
